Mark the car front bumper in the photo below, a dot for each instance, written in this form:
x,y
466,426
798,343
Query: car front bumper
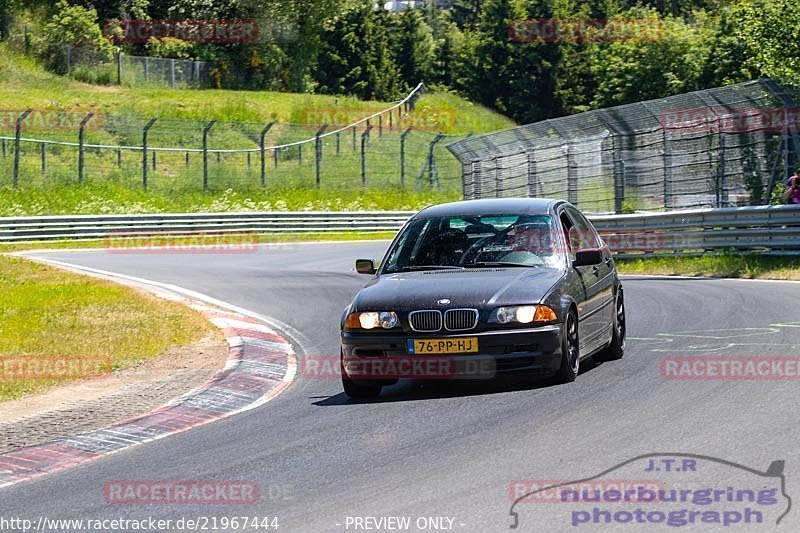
x,y
386,356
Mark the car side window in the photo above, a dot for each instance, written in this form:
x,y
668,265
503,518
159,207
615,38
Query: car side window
x,y
568,226
582,234
406,249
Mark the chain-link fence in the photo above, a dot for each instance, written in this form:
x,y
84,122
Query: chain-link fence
x,y
719,147
45,148
118,68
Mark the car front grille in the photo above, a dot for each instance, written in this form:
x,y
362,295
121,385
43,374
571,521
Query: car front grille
x,y
425,320
460,319
454,320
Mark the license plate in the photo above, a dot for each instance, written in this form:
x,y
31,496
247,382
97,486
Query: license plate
x,y
442,346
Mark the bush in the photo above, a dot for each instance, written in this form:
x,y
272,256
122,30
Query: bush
x,y
75,26
170,48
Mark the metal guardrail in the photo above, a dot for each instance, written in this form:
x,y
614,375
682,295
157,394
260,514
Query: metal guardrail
x,y
761,229
43,228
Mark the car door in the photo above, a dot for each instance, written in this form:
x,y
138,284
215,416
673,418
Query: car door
x,y
598,280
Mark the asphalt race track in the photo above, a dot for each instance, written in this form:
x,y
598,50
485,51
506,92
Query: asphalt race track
x,y
449,449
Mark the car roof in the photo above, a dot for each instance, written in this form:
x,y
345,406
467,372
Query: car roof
x,y
493,206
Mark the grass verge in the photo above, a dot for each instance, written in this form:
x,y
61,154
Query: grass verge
x,y
109,198
57,326
723,266
24,83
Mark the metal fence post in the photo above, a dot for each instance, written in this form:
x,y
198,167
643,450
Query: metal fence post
x,y
119,66
364,137
44,158
17,135
4,147
430,164
144,150
119,158
300,154
338,143
618,165
318,152
354,138
81,135
261,145
403,155
172,73
572,167
667,170
533,179
206,129
723,197
186,158
146,67
154,159
276,156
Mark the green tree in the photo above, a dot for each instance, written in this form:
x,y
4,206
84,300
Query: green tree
x,y
6,10
770,34
76,26
413,47
726,61
466,13
355,57
650,65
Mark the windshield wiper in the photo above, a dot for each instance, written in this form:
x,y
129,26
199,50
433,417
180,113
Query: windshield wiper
x,y
496,264
428,267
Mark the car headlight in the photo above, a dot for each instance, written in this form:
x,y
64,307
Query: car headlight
x,y
523,314
372,320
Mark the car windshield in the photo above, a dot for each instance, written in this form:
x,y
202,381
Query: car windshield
x,y
475,241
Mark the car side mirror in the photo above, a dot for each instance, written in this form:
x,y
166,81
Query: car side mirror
x,y
365,266
592,256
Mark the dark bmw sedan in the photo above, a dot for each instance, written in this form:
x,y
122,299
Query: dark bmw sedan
x,y
471,289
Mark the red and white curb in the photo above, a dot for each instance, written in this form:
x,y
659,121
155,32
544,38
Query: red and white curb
x,y
261,363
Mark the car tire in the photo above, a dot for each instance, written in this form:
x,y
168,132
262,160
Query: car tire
x,y
570,351
616,349
361,390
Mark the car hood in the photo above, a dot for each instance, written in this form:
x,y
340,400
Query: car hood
x,y
478,288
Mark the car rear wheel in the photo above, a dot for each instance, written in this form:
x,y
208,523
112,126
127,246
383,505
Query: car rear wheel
x,y
570,352
616,349
359,390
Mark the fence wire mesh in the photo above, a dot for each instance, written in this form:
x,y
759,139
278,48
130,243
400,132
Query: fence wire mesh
x,y
381,151
713,148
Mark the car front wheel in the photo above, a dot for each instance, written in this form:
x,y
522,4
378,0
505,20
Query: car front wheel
x,y
570,352
616,349
358,390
